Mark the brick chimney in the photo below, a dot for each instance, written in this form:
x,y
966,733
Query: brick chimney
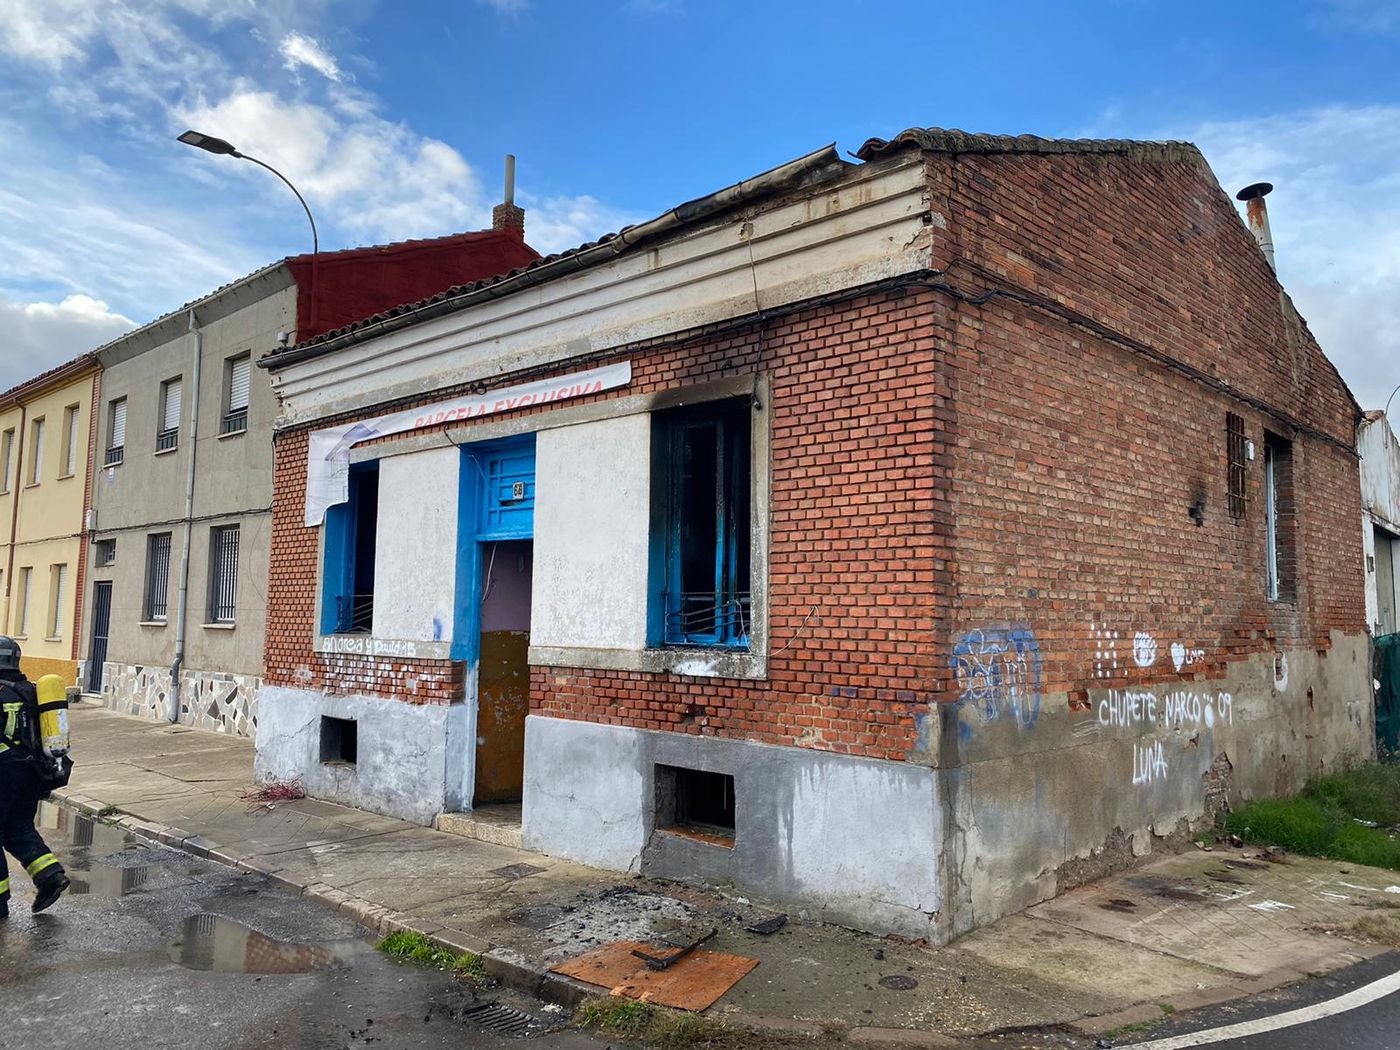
x,y
506,216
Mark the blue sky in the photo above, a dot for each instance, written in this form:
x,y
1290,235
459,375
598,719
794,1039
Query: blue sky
x,y
393,118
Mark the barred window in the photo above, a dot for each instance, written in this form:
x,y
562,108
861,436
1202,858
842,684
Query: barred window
x,y
223,573
106,552
157,576
1234,429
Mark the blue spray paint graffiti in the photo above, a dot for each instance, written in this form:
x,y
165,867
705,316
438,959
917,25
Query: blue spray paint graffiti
x,y
998,674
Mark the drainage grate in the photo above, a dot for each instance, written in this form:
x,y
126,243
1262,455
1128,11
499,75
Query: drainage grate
x,y
507,1020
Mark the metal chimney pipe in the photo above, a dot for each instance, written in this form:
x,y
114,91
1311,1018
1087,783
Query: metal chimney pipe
x,y
510,178
1258,213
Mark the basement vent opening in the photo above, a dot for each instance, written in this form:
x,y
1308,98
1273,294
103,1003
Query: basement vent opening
x,y
696,803
339,739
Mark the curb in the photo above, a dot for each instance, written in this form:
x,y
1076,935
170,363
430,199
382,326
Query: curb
x,y
510,968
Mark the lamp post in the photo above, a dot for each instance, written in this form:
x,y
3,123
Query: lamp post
x,y
221,147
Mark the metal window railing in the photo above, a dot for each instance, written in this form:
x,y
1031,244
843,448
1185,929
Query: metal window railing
x,y
223,577
166,439
234,421
113,456
354,613
709,617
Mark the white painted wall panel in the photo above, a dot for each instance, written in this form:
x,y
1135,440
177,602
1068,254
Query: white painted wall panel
x,y
591,521
415,567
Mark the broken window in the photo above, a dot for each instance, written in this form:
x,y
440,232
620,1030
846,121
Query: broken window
x,y
695,800
348,601
701,491
1235,442
340,740
1280,519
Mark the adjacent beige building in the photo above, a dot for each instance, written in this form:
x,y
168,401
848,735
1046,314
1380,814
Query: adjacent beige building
x,y
46,428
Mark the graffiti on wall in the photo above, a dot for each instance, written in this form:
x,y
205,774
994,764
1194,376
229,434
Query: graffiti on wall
x,y
998,672
1105,651
1185,657
1180,710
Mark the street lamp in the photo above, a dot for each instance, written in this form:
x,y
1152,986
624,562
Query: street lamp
x,y
221,147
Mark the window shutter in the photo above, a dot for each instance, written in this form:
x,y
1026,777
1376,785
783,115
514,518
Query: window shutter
x,y
170,420
240,372
118,424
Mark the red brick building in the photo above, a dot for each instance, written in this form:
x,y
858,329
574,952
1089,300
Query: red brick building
x,y
908,539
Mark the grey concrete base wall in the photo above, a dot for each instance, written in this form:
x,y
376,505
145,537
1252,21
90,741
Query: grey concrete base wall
x,y
854,841
213,700
1046,805
401,762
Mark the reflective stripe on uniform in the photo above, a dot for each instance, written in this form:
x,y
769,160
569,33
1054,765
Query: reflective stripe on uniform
x,y
48,860
9,723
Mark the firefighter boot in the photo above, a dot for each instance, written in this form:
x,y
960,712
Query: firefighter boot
x,y
48,890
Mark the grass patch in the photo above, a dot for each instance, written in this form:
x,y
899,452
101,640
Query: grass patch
x,y
1322,821
409,946
107,811
625,1017
629,1019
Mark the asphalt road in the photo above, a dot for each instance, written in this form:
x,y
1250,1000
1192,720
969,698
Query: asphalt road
x,y
154,949
1372,1026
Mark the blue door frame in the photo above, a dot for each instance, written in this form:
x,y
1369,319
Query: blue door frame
x,y
495,501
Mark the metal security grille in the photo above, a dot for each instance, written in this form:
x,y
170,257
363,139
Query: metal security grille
x,y
157,576
1234,429
223,573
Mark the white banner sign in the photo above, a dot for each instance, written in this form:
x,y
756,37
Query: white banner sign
x,y
328,458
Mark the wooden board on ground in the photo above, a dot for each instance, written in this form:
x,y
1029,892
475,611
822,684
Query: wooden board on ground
x,y
694,983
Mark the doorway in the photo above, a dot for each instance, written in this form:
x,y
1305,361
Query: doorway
x,y
503,679
101,625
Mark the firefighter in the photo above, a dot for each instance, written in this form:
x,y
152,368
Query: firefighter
x,y
21,787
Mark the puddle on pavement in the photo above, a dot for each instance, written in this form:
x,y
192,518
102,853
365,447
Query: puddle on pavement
x,y
212,942
100,859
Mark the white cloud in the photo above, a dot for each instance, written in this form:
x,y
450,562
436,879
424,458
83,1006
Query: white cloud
x,y
40,335
49,33
1334,214
298,50
553,224
381,180
506,7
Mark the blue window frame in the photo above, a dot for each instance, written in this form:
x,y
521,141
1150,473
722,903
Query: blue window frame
x,y
347,601
700,528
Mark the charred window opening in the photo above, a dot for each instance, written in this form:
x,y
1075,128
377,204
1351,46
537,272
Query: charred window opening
x,y
1239,500
696,801
351,527
701,486
339,740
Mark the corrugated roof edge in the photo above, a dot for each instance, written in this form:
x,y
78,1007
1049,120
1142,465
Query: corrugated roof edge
x,y
71,368
812,166
951,140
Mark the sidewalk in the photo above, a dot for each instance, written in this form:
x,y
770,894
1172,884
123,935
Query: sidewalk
x,y
1175,933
